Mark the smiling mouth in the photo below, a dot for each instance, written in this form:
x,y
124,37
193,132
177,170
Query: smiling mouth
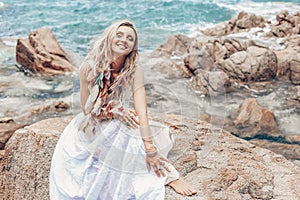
x,y
122,45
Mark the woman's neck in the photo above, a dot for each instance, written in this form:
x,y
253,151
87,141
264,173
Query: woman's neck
x,y
117,64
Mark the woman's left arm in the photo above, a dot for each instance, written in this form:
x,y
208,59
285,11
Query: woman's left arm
x,y
139,98
153,158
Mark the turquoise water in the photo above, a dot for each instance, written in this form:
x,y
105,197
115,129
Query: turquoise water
x,y
75,23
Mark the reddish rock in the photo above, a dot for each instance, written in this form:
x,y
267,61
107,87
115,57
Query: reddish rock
x,y
253,120
41,52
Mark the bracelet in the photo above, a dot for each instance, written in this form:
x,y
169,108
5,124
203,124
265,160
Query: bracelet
x,y
145,140
152,153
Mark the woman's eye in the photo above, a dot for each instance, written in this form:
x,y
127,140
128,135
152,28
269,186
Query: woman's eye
x,y
130,39
119,35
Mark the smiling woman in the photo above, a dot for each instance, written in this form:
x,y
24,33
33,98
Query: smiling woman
x,y
123,41
108,151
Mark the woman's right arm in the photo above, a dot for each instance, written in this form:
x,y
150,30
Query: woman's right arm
x,y
84,91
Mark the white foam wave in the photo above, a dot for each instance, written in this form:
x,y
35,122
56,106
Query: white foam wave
x,y
268,10
1,4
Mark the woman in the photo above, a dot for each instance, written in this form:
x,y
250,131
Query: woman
x,y
101,153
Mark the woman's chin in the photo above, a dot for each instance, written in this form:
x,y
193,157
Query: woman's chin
x,y
118,55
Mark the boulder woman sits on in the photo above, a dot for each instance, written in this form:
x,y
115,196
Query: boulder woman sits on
x,y
110,151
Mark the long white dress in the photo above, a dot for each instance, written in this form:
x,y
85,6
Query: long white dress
x,y
108,166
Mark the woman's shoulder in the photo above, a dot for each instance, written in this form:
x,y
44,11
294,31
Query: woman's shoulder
x,y
139,71
86,71
85,67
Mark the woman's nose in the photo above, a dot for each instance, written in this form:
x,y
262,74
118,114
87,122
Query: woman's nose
x,y
123,38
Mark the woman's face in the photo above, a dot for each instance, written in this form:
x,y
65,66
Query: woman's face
x,y
123,42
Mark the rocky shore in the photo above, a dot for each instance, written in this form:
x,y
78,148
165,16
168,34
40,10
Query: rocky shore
x,y
218,164
248,60
250,53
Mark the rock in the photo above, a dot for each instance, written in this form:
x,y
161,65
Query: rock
x,y
2,152
198,59
170,68
284,57
254,120
41,52
243,22
217,164
254,64
57,106
290,151
203,55
292,42
209,63
247,21
2,175
287,25
175,45
295,98
7,128
293,139
211,83
288,63
295,69
27,159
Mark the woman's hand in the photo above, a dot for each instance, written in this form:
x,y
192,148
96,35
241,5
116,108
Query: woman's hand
x,y
157,162
128,117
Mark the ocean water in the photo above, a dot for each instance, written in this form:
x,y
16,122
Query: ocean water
x,y
75,23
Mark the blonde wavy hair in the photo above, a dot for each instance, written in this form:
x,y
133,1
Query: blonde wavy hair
x,y
100,55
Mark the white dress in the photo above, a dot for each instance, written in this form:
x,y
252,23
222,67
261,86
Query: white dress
x,y
110,163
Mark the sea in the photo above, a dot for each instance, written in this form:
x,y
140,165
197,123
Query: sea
x,y
75,23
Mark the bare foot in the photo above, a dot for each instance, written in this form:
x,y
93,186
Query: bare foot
x,y
182,187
